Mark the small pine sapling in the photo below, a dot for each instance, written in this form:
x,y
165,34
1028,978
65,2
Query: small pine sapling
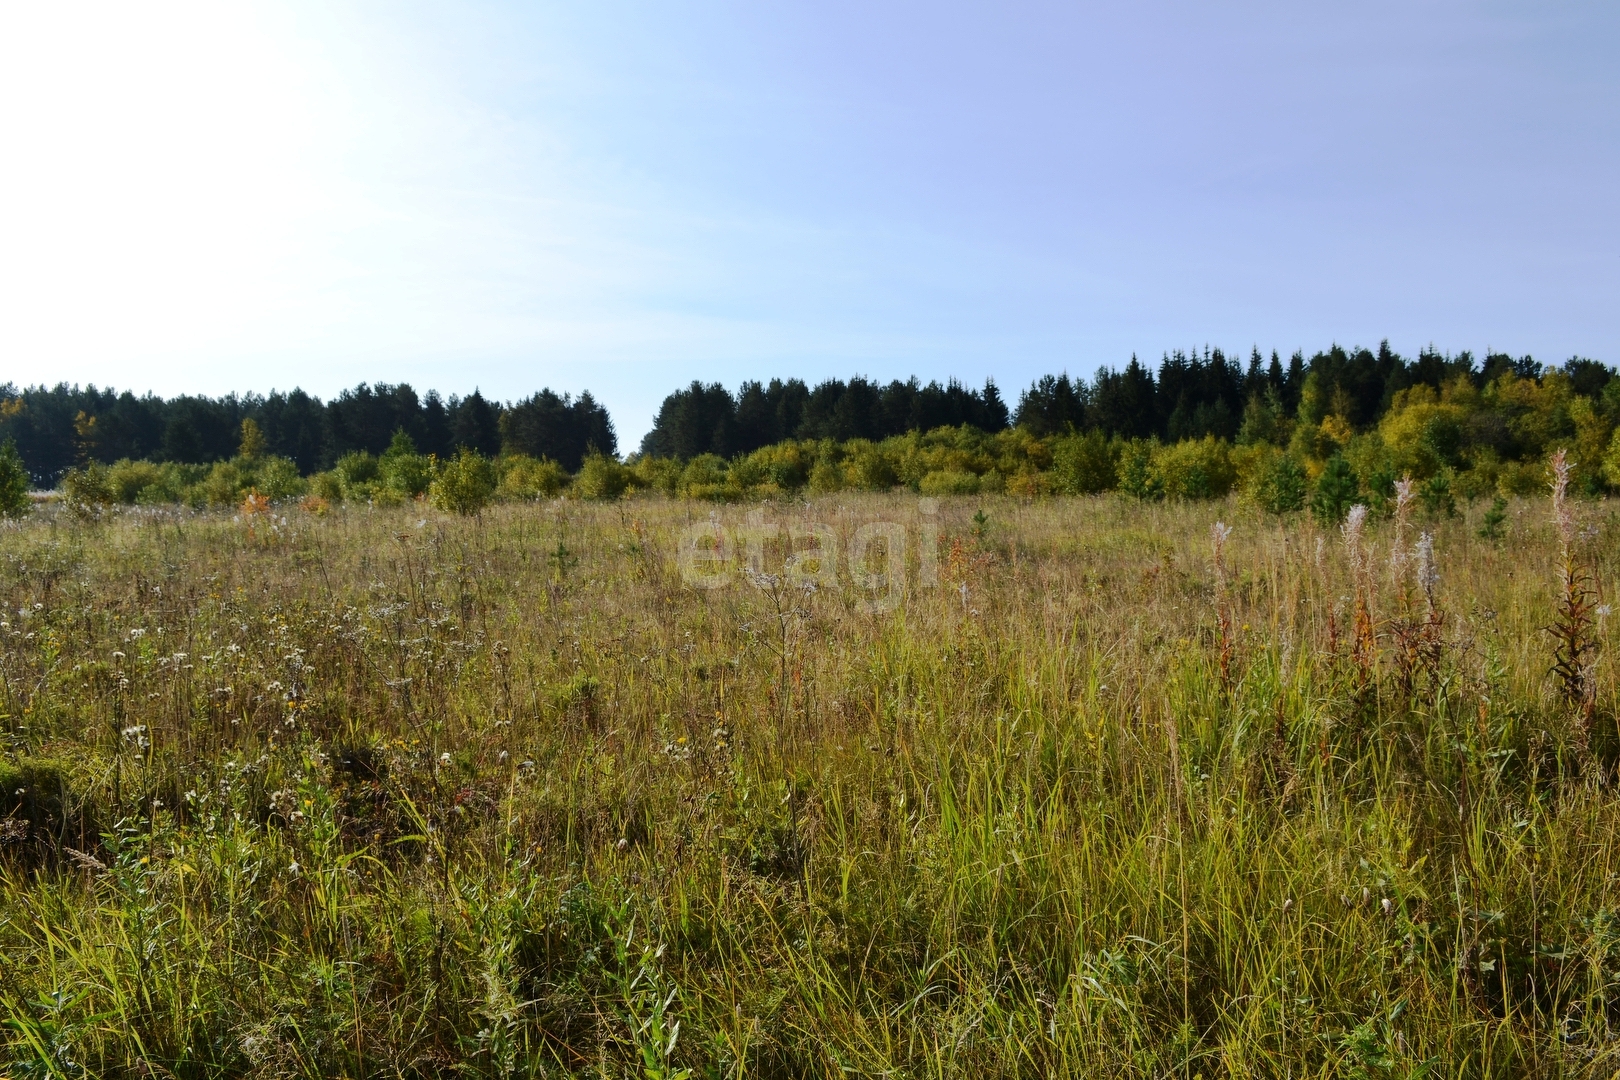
x,y
1491,525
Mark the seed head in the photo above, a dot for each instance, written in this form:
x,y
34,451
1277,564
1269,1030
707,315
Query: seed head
x,y
1352,528
1403,505
1563,514
1428,577
1217,535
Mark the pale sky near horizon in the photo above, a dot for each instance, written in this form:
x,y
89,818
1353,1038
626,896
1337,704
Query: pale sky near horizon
x,y
207,197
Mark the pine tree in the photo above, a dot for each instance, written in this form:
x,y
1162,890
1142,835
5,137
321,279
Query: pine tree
x,y
14,483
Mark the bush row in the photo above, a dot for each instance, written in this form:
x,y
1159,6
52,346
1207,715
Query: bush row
x,y
1327,473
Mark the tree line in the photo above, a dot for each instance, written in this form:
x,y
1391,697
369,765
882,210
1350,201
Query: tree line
x,y
1215,394
57,428
1189,395
707,419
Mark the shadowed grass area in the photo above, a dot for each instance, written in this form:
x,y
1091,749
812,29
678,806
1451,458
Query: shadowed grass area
x,y
384,793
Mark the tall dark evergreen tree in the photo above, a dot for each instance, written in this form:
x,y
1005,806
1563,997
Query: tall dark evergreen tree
x,y
435,426
294,426
702,419
1053,405
475,424
1125,402
547,425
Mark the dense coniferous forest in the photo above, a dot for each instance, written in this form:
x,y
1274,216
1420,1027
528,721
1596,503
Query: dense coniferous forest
x,y
1326,430
56,428
706,419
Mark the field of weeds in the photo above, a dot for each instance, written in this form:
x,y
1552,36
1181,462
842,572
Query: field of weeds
x,y
1097,789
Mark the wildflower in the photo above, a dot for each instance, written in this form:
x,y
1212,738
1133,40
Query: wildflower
x,y
1218,534
622,844
1563,513
1354,522
1428,577
444,759
1388,905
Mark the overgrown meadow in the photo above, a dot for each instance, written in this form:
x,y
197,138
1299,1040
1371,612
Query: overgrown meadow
x,y
386,792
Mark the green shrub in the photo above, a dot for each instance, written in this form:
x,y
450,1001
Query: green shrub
x,y
869,468
14,484
1522,478
1085,464
278,478
127,479
1194,468
949,482
781,468
402,470
225,485
826,477
465,484
88,488
1137,477
357,474
327,486
1282,486
662,475
707,477
601,477
525,477
1337,490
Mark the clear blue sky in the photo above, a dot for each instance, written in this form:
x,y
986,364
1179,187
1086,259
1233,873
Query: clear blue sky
x,y
624,197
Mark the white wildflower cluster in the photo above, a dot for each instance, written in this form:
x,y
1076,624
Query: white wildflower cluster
x,y
284,803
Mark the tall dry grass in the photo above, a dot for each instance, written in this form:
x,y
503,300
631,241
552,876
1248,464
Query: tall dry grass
x,y
383,793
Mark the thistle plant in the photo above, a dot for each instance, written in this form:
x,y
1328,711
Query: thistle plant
x,y
1397,551
1364,637
1428,638
1416,633
1574,643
